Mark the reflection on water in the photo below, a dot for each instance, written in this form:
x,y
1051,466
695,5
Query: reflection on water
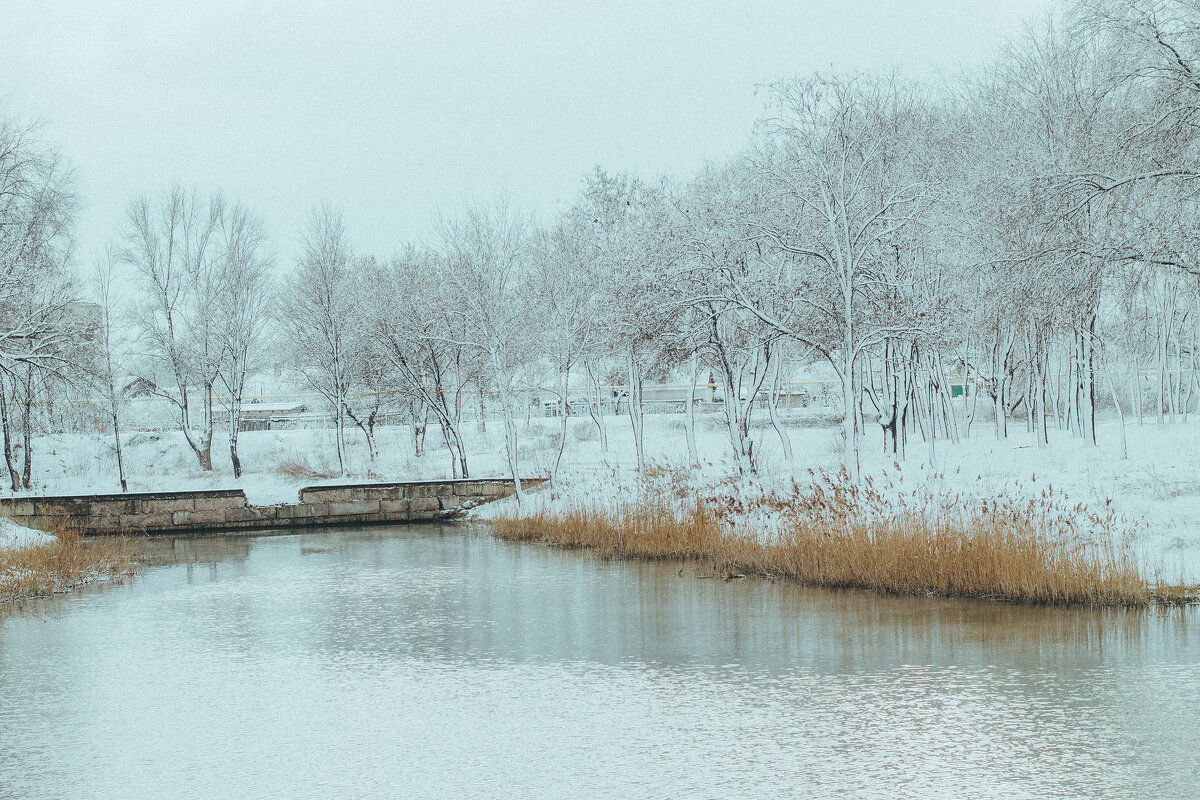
x,y
437,662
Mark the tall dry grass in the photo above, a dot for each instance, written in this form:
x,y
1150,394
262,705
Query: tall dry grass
x,y
837,533
69,561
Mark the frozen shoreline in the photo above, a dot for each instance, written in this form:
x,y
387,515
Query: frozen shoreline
x,y
1155,488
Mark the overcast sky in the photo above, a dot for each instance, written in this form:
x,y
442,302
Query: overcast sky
x,y
393,110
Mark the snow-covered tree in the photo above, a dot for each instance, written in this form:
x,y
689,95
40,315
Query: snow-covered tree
x,y
242,311
39,321
485,257
320,315
174,244
844,169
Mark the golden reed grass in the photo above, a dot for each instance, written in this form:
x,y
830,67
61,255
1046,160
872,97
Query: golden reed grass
x,y
835,533
69,561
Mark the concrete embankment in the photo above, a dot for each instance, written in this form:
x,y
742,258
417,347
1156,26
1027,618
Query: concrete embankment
x,y
227,511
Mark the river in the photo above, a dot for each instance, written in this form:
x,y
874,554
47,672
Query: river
x,y
435,661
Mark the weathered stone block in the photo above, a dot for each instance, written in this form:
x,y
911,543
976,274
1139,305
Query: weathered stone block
x,y
424,504
393,506
251,514
320,510
491,489
321,495
20,508
100,507
158,521
451,501
62,507
167,505
361,507
198,518
299,512
104,523
219,503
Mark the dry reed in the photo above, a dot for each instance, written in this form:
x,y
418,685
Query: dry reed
x,y
298,468
837,533
67,562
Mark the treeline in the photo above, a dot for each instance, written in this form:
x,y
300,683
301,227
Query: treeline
x,y
1027,228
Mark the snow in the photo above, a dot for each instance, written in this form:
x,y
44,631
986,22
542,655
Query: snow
x,y
1155,488
13,536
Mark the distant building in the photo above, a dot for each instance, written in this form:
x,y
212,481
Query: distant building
x,y
138,387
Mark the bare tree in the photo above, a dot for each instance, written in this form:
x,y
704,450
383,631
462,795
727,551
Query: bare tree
x,y
840,159
417,330
631,248
318,313
174,245
567,305
242,311
485,258
38,343
723,251
107,377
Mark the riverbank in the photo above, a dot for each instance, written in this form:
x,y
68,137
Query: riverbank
x,y
37,564
1154,487
838,534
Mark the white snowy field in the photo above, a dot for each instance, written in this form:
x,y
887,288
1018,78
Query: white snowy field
x,y
13,535
1157,488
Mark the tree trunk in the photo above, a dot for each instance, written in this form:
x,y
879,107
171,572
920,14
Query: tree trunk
x,y
339,428
418,430
690,419
932,428
6,427
27,431
235,422
482,417
784,441
114,406
1162,370
563,384
848,429
636,418
597,411
1187,398
968,407
1120,413
451,448
510,438
206,450
116,421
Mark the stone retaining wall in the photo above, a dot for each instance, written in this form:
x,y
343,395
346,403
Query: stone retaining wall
x,y
224,511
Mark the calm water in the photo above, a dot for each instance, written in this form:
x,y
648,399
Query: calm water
x,y
437,662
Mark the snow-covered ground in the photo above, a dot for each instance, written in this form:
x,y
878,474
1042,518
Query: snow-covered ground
x,y
13,535
1157,487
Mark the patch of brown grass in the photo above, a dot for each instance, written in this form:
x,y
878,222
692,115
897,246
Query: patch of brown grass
x,y
651,530
70,561
839,534
299,468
